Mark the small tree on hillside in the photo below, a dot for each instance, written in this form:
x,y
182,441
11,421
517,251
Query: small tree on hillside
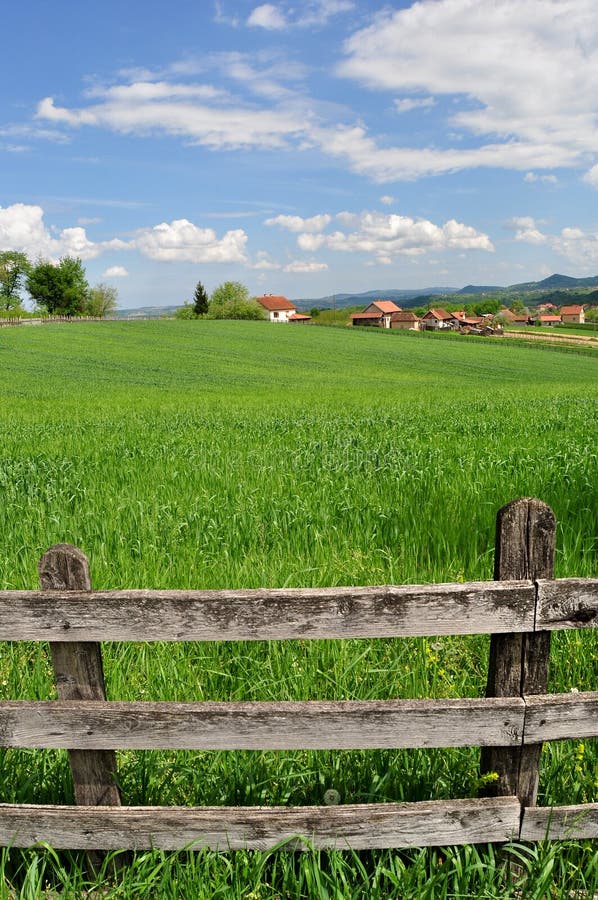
x,y
102,300
14,267
231,300
200,300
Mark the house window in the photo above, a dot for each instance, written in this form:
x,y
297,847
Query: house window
x,y
275,315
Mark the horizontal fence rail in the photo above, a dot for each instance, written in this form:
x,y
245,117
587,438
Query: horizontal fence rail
x,y
518,609
299,725
490,607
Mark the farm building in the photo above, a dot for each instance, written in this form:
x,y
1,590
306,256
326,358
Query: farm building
x,y
549,320
436,319
573,315
280,309
404,319
377,314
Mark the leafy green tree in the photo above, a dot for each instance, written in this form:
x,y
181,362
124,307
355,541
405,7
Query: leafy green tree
x,y
200,300
102,300
186,311
231,300
14,267
60,290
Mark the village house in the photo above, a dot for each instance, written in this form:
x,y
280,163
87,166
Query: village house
x,y
404,319
573,315
549,320
280,309
378,314
436,319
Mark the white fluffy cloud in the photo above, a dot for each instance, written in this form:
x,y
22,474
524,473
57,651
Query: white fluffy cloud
x,y
22,228
578,246
267,16
115,272
297,223
526,230
182,241
383,236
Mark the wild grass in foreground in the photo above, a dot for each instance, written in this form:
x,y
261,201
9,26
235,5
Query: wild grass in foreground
x,y
237,455
453,873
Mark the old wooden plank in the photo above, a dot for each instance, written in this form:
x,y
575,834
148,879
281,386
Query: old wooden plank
x,y
560,823
367,826
79,676
286,725
344,612
525,541
568,603
554,717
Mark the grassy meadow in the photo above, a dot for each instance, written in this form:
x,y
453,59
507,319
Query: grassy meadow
x,y
231,454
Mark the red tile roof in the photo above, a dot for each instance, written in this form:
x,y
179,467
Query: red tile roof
x,y
367,315
386,306
299,317
404,316
550,318
571,310
272,303
438,314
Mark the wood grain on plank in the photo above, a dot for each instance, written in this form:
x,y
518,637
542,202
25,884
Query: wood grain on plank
x,y
553,717
568,603
560,823
350,724
346,612
367,826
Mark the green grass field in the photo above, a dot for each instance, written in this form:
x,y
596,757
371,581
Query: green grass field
x,y
231,454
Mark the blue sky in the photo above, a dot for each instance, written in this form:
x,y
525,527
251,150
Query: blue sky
x,y
303,148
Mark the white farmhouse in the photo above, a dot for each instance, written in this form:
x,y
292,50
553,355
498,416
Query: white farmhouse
x,y
280,309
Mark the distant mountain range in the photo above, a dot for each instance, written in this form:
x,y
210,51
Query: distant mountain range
x,y
404,297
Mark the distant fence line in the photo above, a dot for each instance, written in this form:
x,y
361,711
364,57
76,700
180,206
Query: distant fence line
x,y
53,320
519,609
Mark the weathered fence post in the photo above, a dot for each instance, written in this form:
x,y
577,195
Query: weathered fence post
x,y
79,675
525,541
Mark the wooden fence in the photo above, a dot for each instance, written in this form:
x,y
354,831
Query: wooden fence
x,y
520,609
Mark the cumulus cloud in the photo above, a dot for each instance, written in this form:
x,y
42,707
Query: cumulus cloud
x,y
383,236
115,272
526,230
387,200
182,241
267,16
22,228
578,246
297,223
